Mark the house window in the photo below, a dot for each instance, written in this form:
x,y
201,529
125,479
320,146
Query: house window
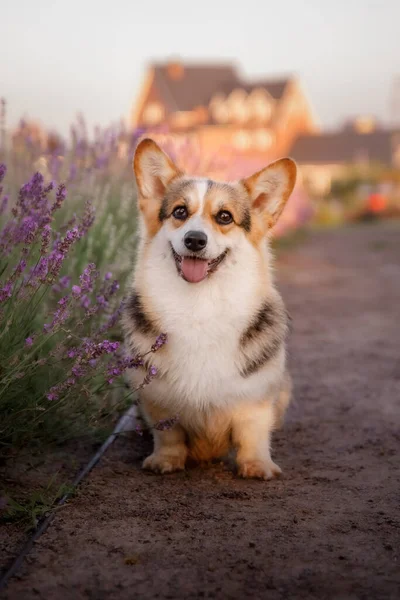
x,y
263,139
153,113
219,109
261,105
238,108
242,140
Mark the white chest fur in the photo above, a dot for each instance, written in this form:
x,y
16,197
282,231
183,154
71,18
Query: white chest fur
x,y
200,366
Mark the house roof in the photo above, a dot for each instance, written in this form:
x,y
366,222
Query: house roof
x,y
343,146
198,83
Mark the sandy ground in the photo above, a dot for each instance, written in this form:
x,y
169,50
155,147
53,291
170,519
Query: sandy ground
x,y
329,528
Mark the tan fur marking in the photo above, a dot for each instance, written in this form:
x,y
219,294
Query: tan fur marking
x,y
223,196
269,190
204,449
150,214
180,193
154,172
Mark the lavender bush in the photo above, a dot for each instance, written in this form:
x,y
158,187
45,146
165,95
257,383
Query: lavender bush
x,y
61,359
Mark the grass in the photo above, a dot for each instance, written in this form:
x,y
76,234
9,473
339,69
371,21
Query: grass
x,y
31,507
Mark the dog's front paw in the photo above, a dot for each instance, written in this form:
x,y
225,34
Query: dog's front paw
x,y
259,469
164,463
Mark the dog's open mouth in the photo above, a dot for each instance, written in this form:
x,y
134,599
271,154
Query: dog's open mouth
x,y
194,269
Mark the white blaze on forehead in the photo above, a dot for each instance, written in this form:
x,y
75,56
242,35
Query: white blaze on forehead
x,y
201,186
198,193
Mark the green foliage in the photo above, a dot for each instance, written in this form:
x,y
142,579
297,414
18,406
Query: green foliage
x,y
31,507
37,404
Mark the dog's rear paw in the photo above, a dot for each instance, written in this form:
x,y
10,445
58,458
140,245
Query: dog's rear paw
x,y
259,469
164,463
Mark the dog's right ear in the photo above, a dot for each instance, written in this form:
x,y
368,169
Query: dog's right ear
x,y
153,169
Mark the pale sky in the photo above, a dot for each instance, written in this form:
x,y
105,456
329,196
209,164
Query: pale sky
x,y
58,57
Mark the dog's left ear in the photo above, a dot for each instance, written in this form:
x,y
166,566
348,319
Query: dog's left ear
x,y
269,189
154,170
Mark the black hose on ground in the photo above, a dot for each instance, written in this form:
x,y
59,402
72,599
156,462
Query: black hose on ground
x,y
126,422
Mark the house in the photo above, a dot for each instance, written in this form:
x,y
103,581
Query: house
x,y
222,112
327,156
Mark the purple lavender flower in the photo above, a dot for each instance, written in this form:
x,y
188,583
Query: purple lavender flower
x,y
113,319
5,291
87,219
60,316
160,341
101,301
65,280
107,276
54,263
76,291
116,368
59,252
87,277
6,235
60,197
49,187
164,424
109,347
40,271
36,184
31,194
91,350
114,287
63,301
152,371
138,429
29,341
28,230
85,301
21,266
70,237
3,204
78,371
56,391
3,171
46,235
56,240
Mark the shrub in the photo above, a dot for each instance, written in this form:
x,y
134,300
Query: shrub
x,y
61,359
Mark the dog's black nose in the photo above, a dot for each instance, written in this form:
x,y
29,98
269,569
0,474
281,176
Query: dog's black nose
x,y
195,241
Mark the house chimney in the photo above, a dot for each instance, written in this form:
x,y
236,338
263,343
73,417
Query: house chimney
x,y
175,70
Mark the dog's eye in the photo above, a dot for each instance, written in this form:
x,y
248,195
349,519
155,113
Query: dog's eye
x,y
224,217
180,213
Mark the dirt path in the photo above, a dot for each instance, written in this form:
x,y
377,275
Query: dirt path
x,y
330,528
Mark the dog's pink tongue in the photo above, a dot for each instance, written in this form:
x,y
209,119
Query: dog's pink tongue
x,y
194,269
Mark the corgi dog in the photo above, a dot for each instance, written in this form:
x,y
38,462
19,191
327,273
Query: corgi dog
x,y
203,276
